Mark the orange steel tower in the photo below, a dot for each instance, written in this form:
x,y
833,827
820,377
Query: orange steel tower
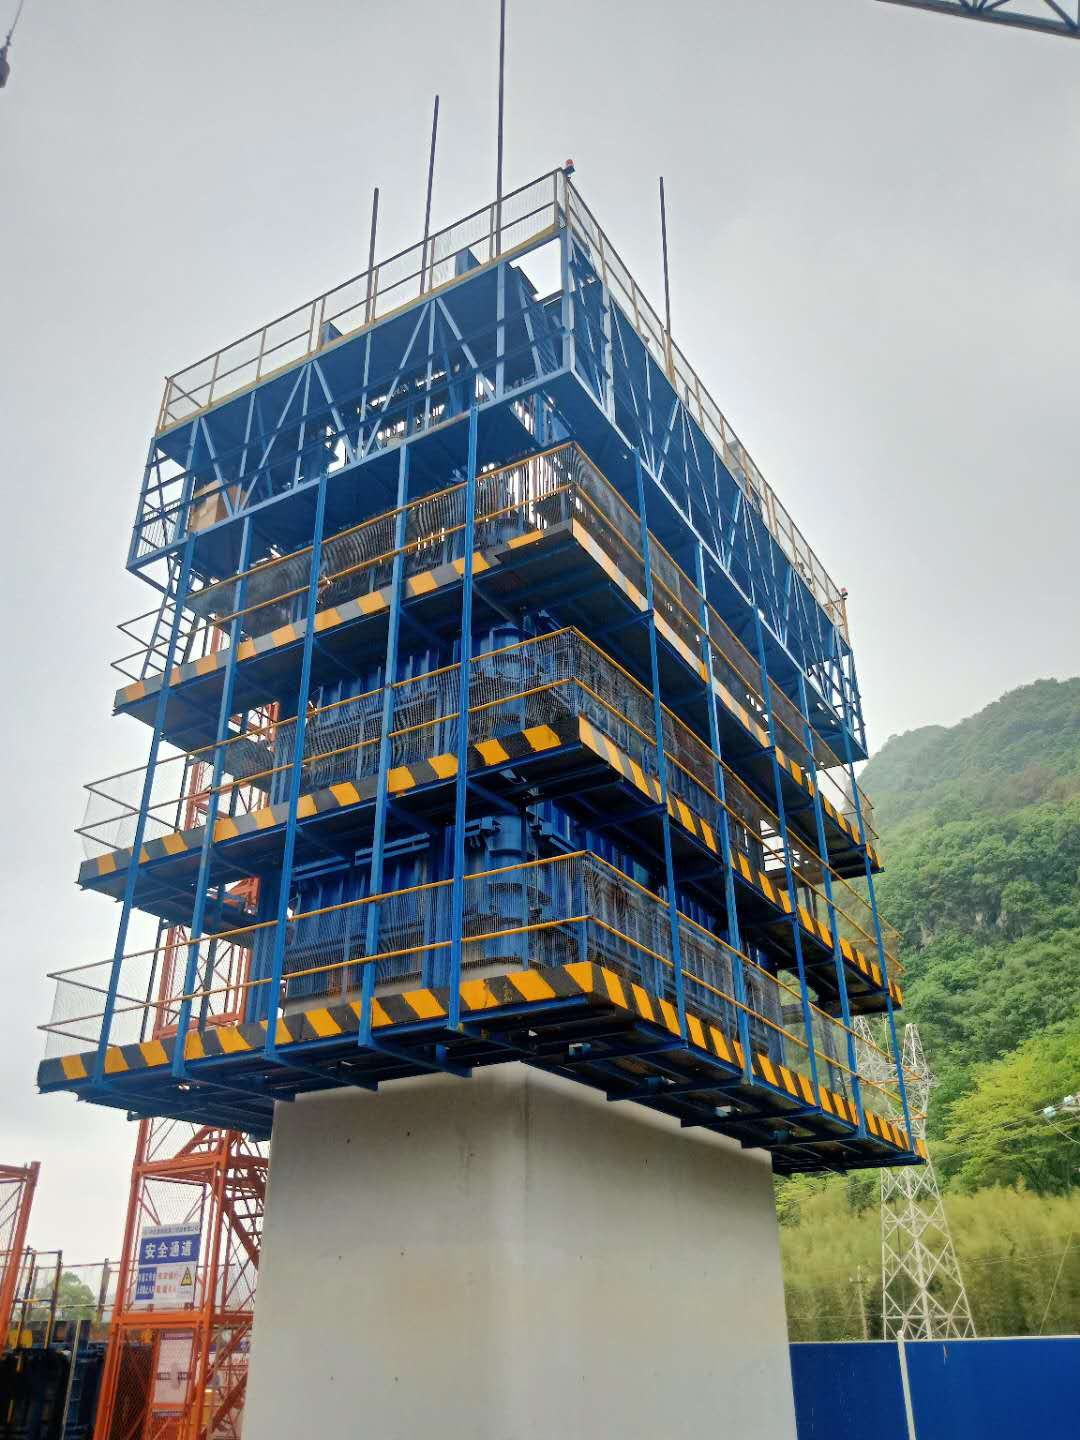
x,y
176,1368
177,1362
17,1186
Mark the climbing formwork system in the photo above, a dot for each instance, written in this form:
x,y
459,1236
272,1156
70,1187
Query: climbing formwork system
x,y
498,711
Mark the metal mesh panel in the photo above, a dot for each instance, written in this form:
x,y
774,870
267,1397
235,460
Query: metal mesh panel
x,y
531,495
536,914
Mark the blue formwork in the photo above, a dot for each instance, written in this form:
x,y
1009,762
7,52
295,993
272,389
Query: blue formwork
x,y
498,710
958,1389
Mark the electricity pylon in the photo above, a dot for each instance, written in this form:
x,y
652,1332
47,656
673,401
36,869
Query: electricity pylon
x,y
922,1289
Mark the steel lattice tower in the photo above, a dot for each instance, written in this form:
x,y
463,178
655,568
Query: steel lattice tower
x,y
922,1289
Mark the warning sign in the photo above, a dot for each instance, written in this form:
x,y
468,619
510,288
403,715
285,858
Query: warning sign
x,y
173,1373
168,1266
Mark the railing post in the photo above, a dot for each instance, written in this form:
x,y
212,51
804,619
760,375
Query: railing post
x,y
131,881
880,940
281,914
730,904
224,712
382,793
566,240
826,874
661,758
461,782
789,873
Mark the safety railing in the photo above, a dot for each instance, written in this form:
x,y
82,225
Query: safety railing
x,y
704,409
679,603
536,494
537,913
524,215
545,681
52,1296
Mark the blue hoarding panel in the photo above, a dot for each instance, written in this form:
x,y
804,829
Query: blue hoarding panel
x,y
960,1389
994,1389
848,1391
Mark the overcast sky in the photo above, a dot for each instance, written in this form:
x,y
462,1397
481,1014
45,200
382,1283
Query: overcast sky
x,y
873,218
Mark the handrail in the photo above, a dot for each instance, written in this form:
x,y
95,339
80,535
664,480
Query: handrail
x,y
360,300
281,579
525,680
421,269
647,908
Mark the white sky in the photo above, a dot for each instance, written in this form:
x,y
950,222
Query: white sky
x,y
873,217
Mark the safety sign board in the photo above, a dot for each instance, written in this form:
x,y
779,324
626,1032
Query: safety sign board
x,y
168,1262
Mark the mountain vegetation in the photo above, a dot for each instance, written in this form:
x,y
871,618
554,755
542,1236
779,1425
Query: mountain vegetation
x,y
980,824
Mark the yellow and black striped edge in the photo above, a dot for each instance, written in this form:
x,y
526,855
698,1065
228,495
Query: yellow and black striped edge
x,y
749,722
329,619
442,575
484,754
582,978
690,821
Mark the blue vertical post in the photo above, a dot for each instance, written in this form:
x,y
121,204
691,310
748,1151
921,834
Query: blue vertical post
x,y
661,756
382,794
461,783
789,873
277,963
826,874
569,352
730,904
144,805
206,849
879,939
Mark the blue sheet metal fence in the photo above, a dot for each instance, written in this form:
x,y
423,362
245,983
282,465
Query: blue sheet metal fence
x,y
937,1389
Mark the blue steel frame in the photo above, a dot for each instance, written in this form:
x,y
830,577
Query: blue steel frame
x,y
375,420
1054,17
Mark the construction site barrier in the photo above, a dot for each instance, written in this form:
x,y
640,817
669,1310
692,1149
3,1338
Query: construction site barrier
x,y
994,1389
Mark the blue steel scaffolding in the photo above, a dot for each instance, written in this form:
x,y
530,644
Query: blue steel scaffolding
x,y
498,711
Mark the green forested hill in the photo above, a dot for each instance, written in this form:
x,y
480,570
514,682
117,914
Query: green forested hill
x,y
981,834
980,827
1022,748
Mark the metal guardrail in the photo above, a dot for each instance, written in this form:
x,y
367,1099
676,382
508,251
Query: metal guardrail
x,y
526,214
53,1295
534,914
538,493
543,205
542,681
704,409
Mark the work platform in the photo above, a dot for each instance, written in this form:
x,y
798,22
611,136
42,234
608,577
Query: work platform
x,y
581,1021
498,713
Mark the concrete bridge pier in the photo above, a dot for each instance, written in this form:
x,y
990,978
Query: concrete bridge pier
x,y
513,1258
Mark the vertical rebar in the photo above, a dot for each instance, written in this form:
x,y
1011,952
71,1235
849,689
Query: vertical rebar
x,y
427,204
371,254
499,151
667,280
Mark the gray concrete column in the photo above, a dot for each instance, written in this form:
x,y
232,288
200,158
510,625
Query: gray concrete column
x,y
512,1258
